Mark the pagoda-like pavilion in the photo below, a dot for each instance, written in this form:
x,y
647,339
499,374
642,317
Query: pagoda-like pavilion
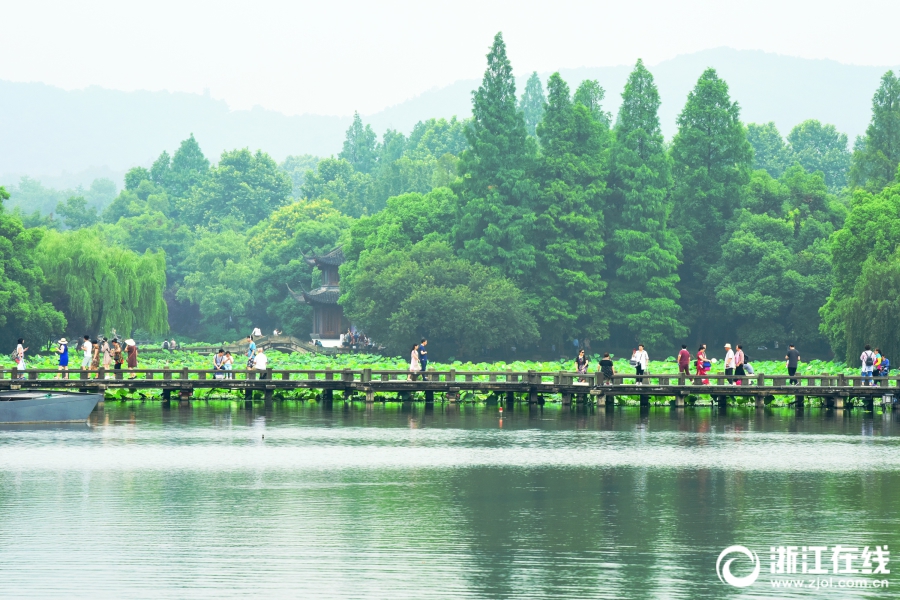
x,y
328,316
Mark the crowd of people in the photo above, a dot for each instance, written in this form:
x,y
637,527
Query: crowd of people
x,y
737,364
355,340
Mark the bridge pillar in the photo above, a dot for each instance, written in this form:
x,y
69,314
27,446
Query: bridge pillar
x,y
799,400
532,396
869,403
327,395
429,396
567,398
722,401
452,396
370,395
268,394
834,402
679,401
645,400
760,401
510,398
166,395
184,394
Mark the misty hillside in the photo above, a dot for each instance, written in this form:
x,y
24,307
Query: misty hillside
x,y
99,132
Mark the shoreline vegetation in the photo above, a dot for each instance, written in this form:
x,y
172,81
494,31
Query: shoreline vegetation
x,y
540,220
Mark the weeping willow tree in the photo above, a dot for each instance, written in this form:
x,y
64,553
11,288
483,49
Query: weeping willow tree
x,y
873,312
101,286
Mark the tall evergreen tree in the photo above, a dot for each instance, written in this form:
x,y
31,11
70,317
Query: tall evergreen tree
x,y
360,148
644,251
591,95
496,218
876,158
770,153
712,164
532,103
567,284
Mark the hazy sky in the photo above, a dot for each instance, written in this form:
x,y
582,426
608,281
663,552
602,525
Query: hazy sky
x,y
333,57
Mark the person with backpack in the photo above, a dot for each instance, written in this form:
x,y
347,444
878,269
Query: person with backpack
x,y
867,358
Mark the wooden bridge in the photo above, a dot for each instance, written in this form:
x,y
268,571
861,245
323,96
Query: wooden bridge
x,y
530,386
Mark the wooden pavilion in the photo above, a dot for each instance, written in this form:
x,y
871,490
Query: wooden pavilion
x,y
328,316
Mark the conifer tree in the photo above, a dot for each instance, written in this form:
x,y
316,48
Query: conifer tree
x,y
532,103
567,285
495,193
644,251
360,148
877,155
591,95
712,164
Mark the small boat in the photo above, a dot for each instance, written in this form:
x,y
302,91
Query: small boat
x,y
46,407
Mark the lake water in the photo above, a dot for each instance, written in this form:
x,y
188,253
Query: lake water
x,y
304,500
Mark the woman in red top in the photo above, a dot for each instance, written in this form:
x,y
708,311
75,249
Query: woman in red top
x,y
701,360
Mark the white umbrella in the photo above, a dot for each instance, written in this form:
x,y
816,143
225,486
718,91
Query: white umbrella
x,y
129,342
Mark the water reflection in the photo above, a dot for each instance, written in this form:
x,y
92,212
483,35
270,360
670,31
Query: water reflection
x,y
413,501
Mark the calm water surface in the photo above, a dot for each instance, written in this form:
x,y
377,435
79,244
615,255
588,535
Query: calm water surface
x,y
303,500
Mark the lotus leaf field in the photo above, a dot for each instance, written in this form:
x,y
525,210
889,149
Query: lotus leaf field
x,y
156,359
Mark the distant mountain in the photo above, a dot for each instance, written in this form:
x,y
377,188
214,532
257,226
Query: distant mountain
x,y
47,131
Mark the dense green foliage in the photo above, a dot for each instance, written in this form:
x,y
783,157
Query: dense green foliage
x,y
643,296
540,220
23,311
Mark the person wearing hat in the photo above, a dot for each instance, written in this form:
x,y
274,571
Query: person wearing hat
x,y
131,352
63,351
729,363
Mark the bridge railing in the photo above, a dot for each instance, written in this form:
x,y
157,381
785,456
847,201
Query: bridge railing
x,y
366,376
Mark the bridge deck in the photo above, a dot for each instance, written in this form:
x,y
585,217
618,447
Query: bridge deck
x,y
534,385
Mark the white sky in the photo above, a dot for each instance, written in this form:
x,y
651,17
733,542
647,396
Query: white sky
x,y
334,57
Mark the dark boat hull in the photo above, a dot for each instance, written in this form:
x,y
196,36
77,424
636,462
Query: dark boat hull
x,y
46,407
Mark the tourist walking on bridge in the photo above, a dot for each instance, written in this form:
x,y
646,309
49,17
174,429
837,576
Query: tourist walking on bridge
x,y
20,357
640,360
117,355
131,352
423,356
88,349
793,361
251,352
581,365
739,365
414,365
261,363
703,365
63,350
107,353
684,362
729,363
867,358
